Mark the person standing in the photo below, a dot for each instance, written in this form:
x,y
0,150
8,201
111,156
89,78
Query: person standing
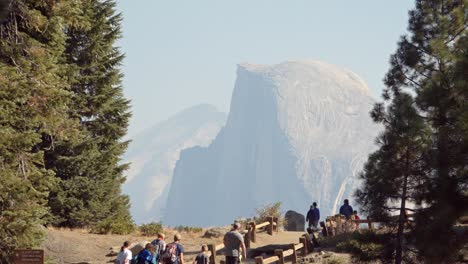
x,y
125,255
174,252
346,209
202,257
233,243
159,246
315,215
309,216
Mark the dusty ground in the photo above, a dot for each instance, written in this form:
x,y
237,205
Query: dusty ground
x,y
81,247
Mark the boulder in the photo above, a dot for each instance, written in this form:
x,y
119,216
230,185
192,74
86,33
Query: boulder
x,y
294,221
215,232
137,247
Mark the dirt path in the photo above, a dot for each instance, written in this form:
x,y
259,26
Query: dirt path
x,y
65,246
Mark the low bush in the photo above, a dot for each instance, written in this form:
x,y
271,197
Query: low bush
x,y
365,246
189,229
269,210
151,229
113,226
336,260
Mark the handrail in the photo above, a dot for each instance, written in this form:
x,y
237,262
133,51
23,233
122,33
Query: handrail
x,y
219,247
262,224
288,252
270,260
298,246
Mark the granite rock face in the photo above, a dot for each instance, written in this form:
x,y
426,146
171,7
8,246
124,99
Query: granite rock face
x,y
297,132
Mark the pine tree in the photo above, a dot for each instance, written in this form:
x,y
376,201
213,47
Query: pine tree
x,y
89,191
432,63
33,103
393,174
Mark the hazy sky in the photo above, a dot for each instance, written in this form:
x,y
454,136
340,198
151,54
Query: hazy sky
x,y
183,53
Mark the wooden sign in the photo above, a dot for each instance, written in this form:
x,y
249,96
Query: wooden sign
x,y
28,256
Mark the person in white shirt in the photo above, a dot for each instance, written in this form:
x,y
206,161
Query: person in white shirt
x,y
125,255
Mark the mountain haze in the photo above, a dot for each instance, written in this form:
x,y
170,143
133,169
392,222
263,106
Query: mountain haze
x,y
154,152
297,132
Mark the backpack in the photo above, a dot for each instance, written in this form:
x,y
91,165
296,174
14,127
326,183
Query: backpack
x,y
134,259
169,256
157,249
138,259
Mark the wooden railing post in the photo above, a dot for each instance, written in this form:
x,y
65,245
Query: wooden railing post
x,y
279,253
304,248
212,249
324,229
310,248
294,254
270,226
276,220
371,226
259,260
247,238
253,231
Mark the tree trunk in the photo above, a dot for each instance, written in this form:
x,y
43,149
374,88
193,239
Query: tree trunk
x,y
402,218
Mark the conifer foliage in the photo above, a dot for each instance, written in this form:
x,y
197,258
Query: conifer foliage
x,y
89,171
431,64
62,119
33,105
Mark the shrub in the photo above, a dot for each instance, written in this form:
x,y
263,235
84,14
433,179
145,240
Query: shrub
x,y
365,246
151,229
336,260
189,229
113,226
268,210
363,251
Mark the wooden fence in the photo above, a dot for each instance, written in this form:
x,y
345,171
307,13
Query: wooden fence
x,y
270,226
302,248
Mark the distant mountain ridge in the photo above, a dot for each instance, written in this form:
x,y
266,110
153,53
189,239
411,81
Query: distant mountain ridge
x,y
154,152
297,132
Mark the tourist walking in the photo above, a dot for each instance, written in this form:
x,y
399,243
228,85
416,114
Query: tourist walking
x,y
159,246
125,255
346,209
233,243
174,252
202,257
146,255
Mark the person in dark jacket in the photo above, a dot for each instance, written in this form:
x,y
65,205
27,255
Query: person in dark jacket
x,y
313,215
309,216
146,255
346,209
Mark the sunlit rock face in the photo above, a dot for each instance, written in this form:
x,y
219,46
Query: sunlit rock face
x,y
297,132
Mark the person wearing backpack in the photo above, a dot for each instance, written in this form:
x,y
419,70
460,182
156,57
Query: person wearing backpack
x,y
145,256
159,246
174,253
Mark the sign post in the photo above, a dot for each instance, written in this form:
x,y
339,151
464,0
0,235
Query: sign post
x,y
28,256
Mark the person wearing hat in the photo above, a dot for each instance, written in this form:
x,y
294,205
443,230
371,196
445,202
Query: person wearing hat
x,y
159,247
233,243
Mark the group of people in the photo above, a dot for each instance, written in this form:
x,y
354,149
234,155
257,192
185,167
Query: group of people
x,y
155,252
313,215
158,252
